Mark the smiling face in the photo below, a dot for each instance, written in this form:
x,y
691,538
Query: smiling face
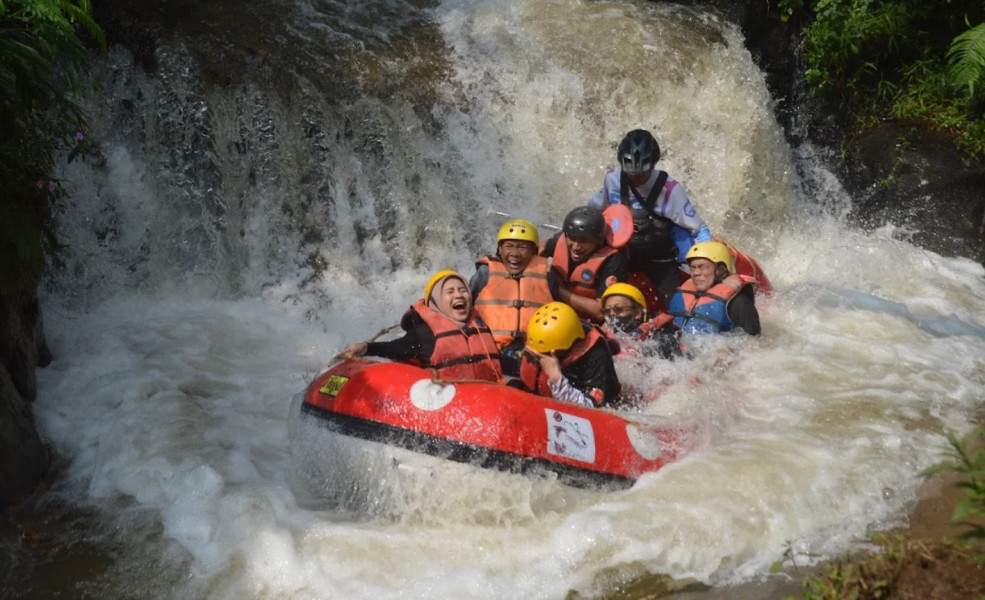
x,y
581,247
516,255
454,300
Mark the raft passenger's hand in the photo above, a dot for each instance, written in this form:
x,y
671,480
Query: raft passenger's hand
x,y
354,350
550,364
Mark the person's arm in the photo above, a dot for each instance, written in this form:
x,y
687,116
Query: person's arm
x,y
416,345
663,341
560,386
589,309
564,391
609,192
742,311
613,270
598,200
595,376
479,280
548,249
679,209
553,285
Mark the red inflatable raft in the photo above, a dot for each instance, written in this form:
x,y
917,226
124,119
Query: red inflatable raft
x,y
489,425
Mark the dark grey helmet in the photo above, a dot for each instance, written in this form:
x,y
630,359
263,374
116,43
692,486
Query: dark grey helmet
x,y
638,152
584,221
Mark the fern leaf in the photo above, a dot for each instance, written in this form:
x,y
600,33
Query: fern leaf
x,y
966,58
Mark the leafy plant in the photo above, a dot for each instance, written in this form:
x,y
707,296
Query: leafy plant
x,y
967,459
898,59
43,61
966,58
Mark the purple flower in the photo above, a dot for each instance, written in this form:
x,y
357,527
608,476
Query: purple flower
x,y
51,186
40,185
79,136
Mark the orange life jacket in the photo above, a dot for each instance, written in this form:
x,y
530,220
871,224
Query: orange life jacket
x,y
583,278
460,353
534,378
508,301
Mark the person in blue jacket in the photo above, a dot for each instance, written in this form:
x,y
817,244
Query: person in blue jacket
x,y
714,300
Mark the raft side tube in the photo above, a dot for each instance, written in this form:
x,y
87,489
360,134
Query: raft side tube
x,y
488,425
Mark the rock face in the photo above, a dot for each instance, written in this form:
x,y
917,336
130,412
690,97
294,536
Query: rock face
x,y
915,179
23,460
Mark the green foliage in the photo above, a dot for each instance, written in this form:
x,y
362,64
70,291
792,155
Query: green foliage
x,y
43,61
877,574
913,60
966,58
967,459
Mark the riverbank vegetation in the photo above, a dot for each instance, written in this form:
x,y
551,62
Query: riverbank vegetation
x,y
897,567
905,60
44,60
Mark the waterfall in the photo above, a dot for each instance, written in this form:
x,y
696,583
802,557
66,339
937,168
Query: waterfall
x,y
262,197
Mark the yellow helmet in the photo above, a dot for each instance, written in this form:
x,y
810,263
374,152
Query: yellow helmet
x,y
438,277
716,252
624,289
555,326
518,229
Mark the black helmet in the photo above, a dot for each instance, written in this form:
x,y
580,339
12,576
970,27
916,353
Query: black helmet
x,y
638,152
585,221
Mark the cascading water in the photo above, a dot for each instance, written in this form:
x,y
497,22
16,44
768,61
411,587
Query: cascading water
x,y
248,216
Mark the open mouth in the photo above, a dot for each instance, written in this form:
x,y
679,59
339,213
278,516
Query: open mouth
x,y
460,305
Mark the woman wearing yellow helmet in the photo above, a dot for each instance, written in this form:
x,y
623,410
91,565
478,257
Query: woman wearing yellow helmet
x,y
568,359
509,286
443,334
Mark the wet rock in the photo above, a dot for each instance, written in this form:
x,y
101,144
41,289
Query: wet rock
x,y
23,461
915,179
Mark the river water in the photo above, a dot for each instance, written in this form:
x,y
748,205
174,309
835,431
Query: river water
x,y
274,188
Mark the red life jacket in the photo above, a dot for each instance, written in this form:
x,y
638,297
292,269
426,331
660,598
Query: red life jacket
x,y
460,353
583,278
508,301
534,378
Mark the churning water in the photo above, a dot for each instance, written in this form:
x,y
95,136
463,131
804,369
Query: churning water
x,y
237,229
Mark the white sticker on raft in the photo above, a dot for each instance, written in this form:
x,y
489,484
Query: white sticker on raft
x,y
645,442
428,395
570,436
